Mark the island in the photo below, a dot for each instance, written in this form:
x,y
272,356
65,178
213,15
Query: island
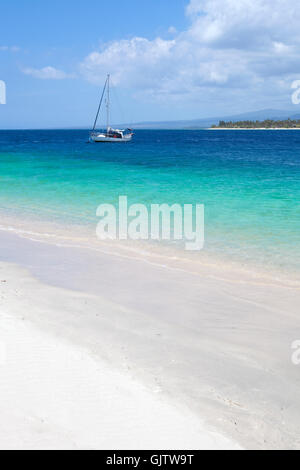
x,y
266,124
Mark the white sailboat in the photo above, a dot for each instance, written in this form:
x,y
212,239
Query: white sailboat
x,y
110,134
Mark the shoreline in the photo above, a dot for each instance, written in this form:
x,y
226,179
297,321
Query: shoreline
x,y
167,255
201,343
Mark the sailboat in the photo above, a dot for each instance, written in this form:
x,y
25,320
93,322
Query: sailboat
x,y
110,134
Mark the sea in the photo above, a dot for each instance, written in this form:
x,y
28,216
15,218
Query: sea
x,y
52,181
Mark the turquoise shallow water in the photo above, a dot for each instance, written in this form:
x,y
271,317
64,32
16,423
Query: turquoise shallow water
x,y
249,182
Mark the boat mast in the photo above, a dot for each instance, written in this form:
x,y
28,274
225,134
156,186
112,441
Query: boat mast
x,y
108,103
99,107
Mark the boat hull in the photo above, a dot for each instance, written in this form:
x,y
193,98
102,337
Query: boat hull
x,y
103,138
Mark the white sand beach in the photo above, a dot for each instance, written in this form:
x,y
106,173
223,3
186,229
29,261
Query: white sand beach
x,y
103,351
58,395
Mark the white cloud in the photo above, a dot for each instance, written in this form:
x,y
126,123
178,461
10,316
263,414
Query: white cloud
x,y
46,73
244,24
281,48
250,45
131,62
172,30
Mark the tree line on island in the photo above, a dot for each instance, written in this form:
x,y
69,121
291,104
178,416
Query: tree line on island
x,y
267,124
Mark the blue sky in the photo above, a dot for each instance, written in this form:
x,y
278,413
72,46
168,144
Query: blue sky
x,y
169,59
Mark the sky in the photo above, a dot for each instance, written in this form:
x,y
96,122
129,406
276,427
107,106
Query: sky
x,y
169,59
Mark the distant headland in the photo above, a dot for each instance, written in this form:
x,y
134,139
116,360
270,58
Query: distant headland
x,y
265,124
